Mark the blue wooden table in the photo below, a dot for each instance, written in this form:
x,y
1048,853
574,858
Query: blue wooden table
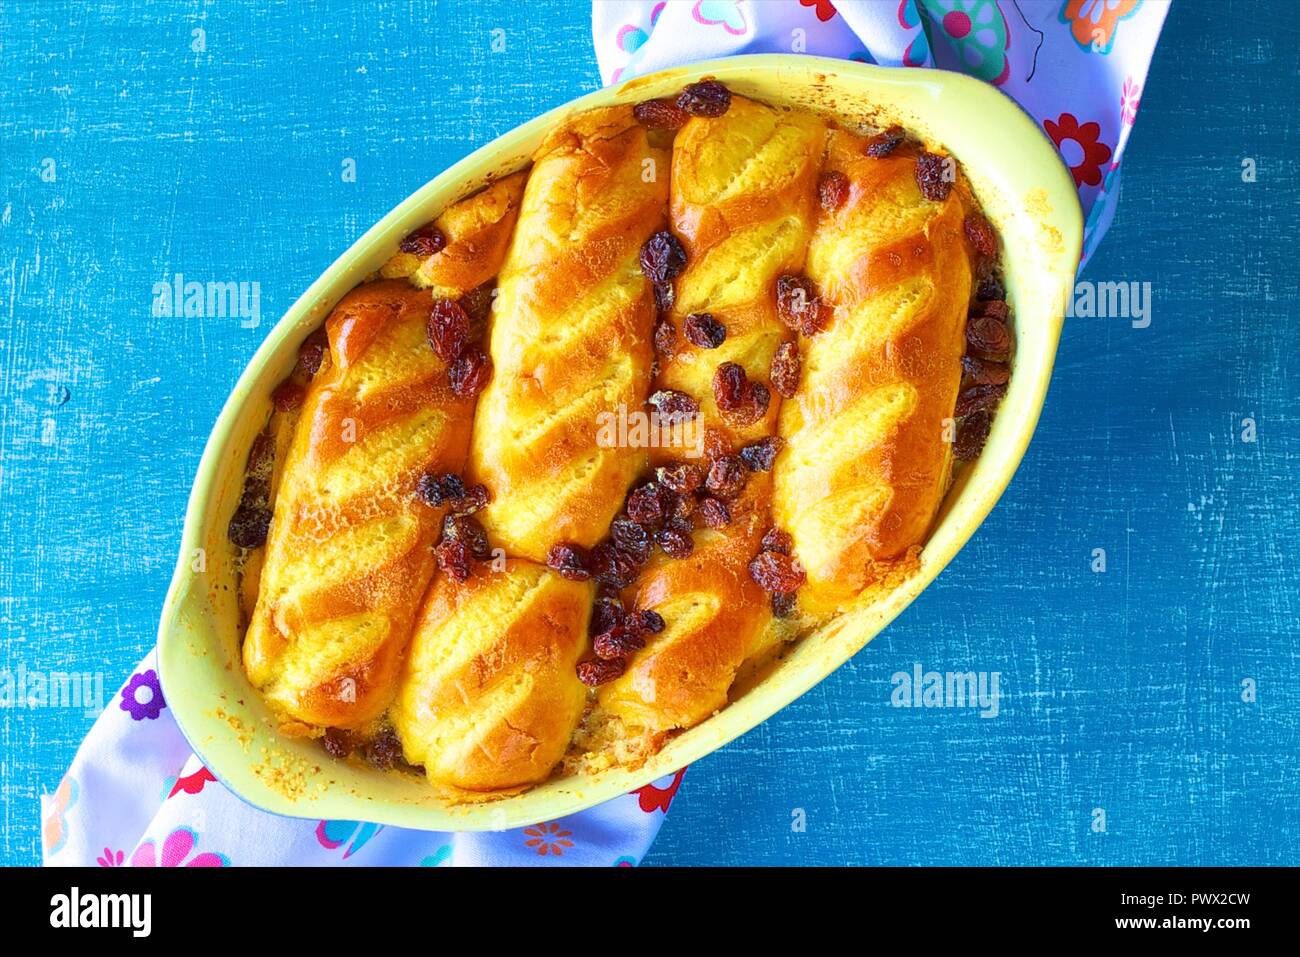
x,y
129,157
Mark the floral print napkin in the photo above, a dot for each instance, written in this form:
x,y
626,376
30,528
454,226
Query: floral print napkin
x,y
136,796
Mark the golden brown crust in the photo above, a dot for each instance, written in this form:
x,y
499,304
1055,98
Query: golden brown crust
x,y
348,555
712,612
743,205
477,230
490,697
570,337
867,455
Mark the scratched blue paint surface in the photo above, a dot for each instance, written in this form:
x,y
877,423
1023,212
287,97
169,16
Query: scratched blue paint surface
x,y
1121,690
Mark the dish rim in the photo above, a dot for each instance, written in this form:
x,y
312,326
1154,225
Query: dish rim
x,y
461,177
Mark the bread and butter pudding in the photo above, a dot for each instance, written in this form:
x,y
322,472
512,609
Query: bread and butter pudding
x,y
449,565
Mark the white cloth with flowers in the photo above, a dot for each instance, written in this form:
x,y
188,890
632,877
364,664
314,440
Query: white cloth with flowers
x,y
136,796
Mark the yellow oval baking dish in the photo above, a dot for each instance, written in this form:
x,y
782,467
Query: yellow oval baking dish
x,y
1022,186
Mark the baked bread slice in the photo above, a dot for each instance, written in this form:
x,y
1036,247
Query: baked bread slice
x,y
744,189
868,435
476,232
570,336
742,204
348,557
490,697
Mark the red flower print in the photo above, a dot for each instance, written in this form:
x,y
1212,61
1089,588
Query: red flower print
x,y
1080,147
824,8
653,799
191,783
548,838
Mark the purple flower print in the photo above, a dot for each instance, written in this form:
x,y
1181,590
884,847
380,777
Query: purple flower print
x,y
142,697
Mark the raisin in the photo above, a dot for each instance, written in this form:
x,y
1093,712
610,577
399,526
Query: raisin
x,y
993,308
785,369
673,406
988,337
783,604
467,530
287,396
569,561
470,373
665,338
597,671
631,537
799,306
664,296
932,176
760,398
704,331
605,614
648,504
470,500
714,513
729,386
727,476
706,98
384,750
680,477
448,330
682,510
775,572
454,558
979,397
991,287
972,435
249,526
716,444
337,742
761,456
662,257
612,565
452,486
311,354
650,622
885,142
740,401
619,642
675,542
985,371
979,231
660,114
428,489
425,241
776,540
832,190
